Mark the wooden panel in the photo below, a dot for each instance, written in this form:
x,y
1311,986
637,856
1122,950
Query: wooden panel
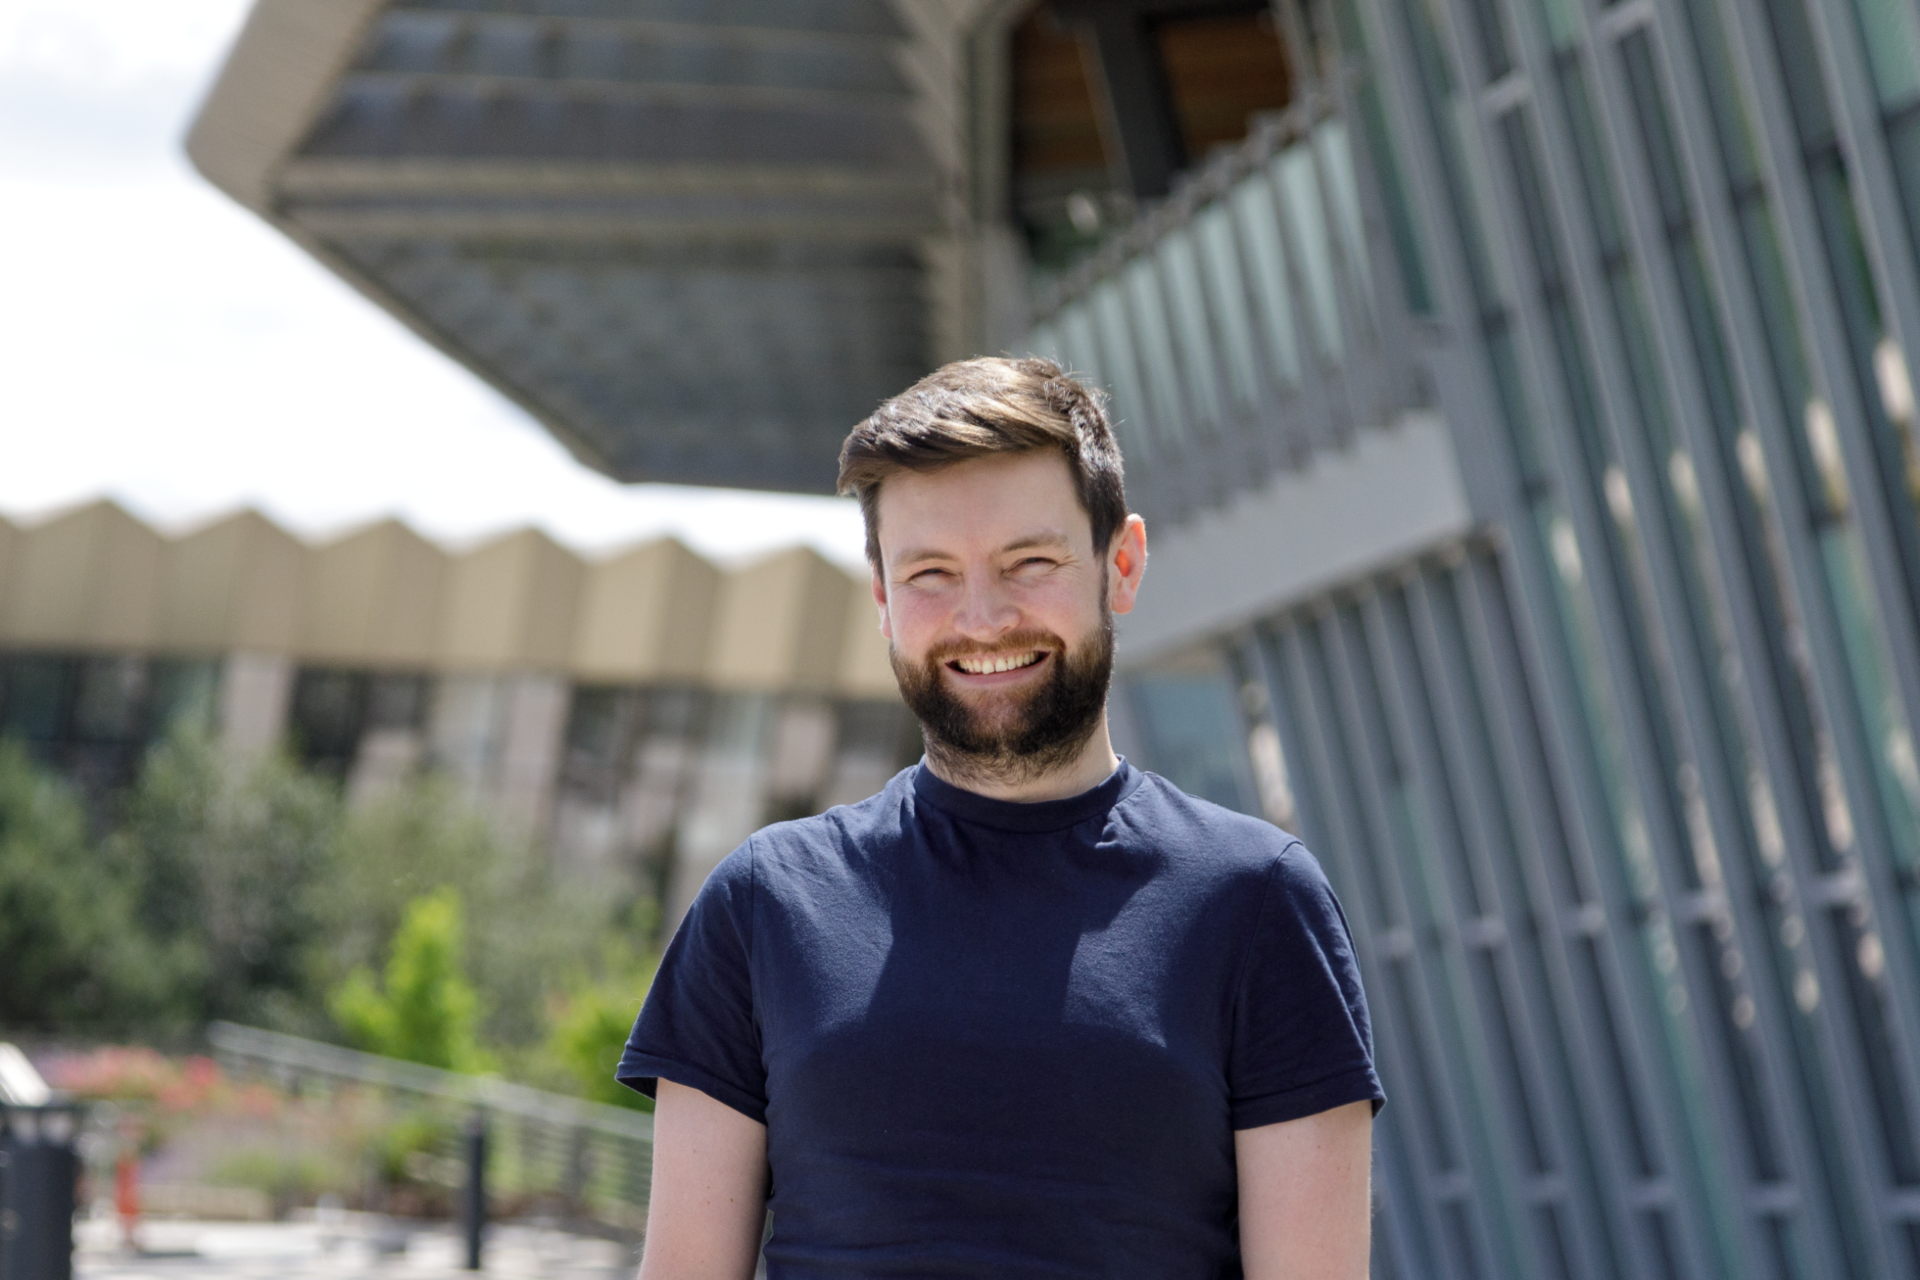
x,y
1222,70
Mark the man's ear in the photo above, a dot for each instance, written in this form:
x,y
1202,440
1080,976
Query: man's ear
x,y
1126,564
880,602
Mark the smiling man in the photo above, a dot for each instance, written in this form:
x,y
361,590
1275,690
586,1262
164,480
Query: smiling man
x,y
1029,1011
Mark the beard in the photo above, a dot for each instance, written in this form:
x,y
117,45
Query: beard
x,y
1017,736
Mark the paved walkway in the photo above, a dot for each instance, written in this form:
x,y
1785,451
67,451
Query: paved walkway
x,y
352,1247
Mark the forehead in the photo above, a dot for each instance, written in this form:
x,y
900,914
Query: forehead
x,y
981,503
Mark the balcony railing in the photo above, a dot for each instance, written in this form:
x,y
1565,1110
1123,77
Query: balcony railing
x,y
1244,322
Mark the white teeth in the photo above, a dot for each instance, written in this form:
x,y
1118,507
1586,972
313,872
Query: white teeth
x,y
992,666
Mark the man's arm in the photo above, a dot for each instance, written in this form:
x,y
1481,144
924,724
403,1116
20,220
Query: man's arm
x,y
709,1201
1304,1196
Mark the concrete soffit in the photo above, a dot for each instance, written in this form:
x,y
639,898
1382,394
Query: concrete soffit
x,y
276,80
280,75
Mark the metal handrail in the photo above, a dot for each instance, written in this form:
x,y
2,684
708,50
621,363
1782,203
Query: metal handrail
x,y
312,1057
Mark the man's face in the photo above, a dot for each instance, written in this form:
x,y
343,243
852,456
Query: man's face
x,y
999,610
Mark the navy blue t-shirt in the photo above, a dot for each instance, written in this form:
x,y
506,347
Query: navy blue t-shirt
x,y
1003,1039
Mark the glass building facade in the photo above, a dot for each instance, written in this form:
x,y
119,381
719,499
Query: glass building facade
x,y
1619,788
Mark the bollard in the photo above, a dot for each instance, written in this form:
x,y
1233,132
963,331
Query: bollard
x,y
473,1199
36,1191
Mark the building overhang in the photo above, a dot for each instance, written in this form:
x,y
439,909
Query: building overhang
x,y
697,247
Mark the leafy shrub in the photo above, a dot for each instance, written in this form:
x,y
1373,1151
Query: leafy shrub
x,y
74,955
427,1011
590,1030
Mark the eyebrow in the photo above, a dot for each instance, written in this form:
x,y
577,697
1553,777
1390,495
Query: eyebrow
x,y
1048,538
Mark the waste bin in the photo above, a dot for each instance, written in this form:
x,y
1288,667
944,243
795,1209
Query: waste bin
x,y
38,1169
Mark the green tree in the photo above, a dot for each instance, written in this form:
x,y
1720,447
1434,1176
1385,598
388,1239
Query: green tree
x,y
590,1030
71,953
424,836
227,855
427,1011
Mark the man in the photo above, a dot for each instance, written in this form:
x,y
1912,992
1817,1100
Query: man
x,y
1028,1011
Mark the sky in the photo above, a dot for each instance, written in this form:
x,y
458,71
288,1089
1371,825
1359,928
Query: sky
x,y
163,347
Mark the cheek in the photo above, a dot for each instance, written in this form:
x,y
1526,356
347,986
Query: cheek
x,y
914,618
1064,607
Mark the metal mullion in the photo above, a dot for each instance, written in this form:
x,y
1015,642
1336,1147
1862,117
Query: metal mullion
x,y
1751,625
1749,353
1259,658
1496,488
1342,811
1461,373
1478,761
1405,689
1503,1239
1638,693
1521,578
1802,247
1693,674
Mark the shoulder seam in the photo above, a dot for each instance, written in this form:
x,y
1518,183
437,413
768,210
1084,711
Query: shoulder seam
x,y
1259,922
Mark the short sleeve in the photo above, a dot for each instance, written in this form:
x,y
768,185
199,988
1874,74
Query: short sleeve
x,y
1302,1042
697,1026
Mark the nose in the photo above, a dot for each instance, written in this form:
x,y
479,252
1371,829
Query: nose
x,y
985,611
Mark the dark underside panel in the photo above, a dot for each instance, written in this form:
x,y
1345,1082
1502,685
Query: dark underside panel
x,y
686,236
726,364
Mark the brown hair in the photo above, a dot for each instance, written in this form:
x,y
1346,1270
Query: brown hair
x,y
973,408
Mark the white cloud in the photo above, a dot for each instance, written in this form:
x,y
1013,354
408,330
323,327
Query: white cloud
x,y
164,346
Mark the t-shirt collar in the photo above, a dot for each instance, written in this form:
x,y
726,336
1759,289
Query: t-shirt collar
x,y
1013,815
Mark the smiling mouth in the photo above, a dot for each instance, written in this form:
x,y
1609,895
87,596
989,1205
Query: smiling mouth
x,y
993,664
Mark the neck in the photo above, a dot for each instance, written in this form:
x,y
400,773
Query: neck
x,y
1090,767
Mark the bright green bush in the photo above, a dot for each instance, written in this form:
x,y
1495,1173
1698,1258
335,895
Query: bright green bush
x,y
427,1010
590,1028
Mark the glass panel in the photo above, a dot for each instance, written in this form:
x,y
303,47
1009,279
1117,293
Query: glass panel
x,y
1042,342
1253,207
1122,368
39,693
1493,38
1903,145
1557,17
1227,290
1890,30
1180,273
1299,189
1148,311
1196,738
185,696
1079,345
111,699
1336,158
